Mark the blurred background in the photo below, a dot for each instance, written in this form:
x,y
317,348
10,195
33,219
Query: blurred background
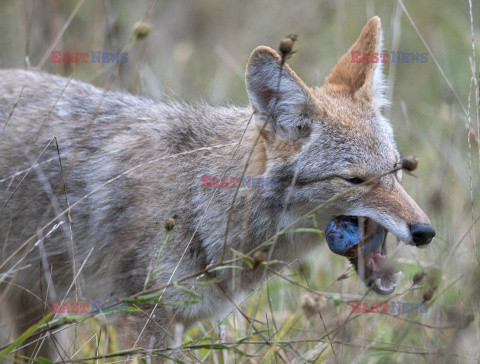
x,y
197,51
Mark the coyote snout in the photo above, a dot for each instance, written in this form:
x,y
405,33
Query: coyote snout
x,y
422,234
360,233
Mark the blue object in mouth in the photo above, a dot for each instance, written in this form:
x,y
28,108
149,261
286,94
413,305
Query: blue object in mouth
x,y
344,237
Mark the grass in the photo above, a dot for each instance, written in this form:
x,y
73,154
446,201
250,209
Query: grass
x,y
197,50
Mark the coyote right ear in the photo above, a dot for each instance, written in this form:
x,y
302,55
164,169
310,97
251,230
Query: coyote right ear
x,y
349,77
281,102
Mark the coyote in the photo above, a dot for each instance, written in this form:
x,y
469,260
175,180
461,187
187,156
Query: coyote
x,y
88,178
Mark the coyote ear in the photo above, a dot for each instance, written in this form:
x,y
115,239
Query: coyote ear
x,y
349,77
281,102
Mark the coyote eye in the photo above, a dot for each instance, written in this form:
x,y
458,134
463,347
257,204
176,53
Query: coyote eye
x,y
354,180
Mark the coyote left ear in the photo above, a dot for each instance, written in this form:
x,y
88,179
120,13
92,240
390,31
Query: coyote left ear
x,y
278,95
351,73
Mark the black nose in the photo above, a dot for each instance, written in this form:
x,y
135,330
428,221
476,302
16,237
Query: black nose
x,y
422,234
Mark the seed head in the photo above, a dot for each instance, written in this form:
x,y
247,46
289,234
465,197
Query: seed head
x,y
337,300
141,30
170,224
427,295
312,303
410,163
418,277
342,276
260,256
286,45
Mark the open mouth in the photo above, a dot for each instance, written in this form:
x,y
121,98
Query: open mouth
x,y
362,241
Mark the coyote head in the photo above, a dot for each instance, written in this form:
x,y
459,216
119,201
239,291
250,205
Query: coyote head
x,y
325,140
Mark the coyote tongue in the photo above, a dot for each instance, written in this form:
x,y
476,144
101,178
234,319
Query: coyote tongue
x,y
376,261
377,271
